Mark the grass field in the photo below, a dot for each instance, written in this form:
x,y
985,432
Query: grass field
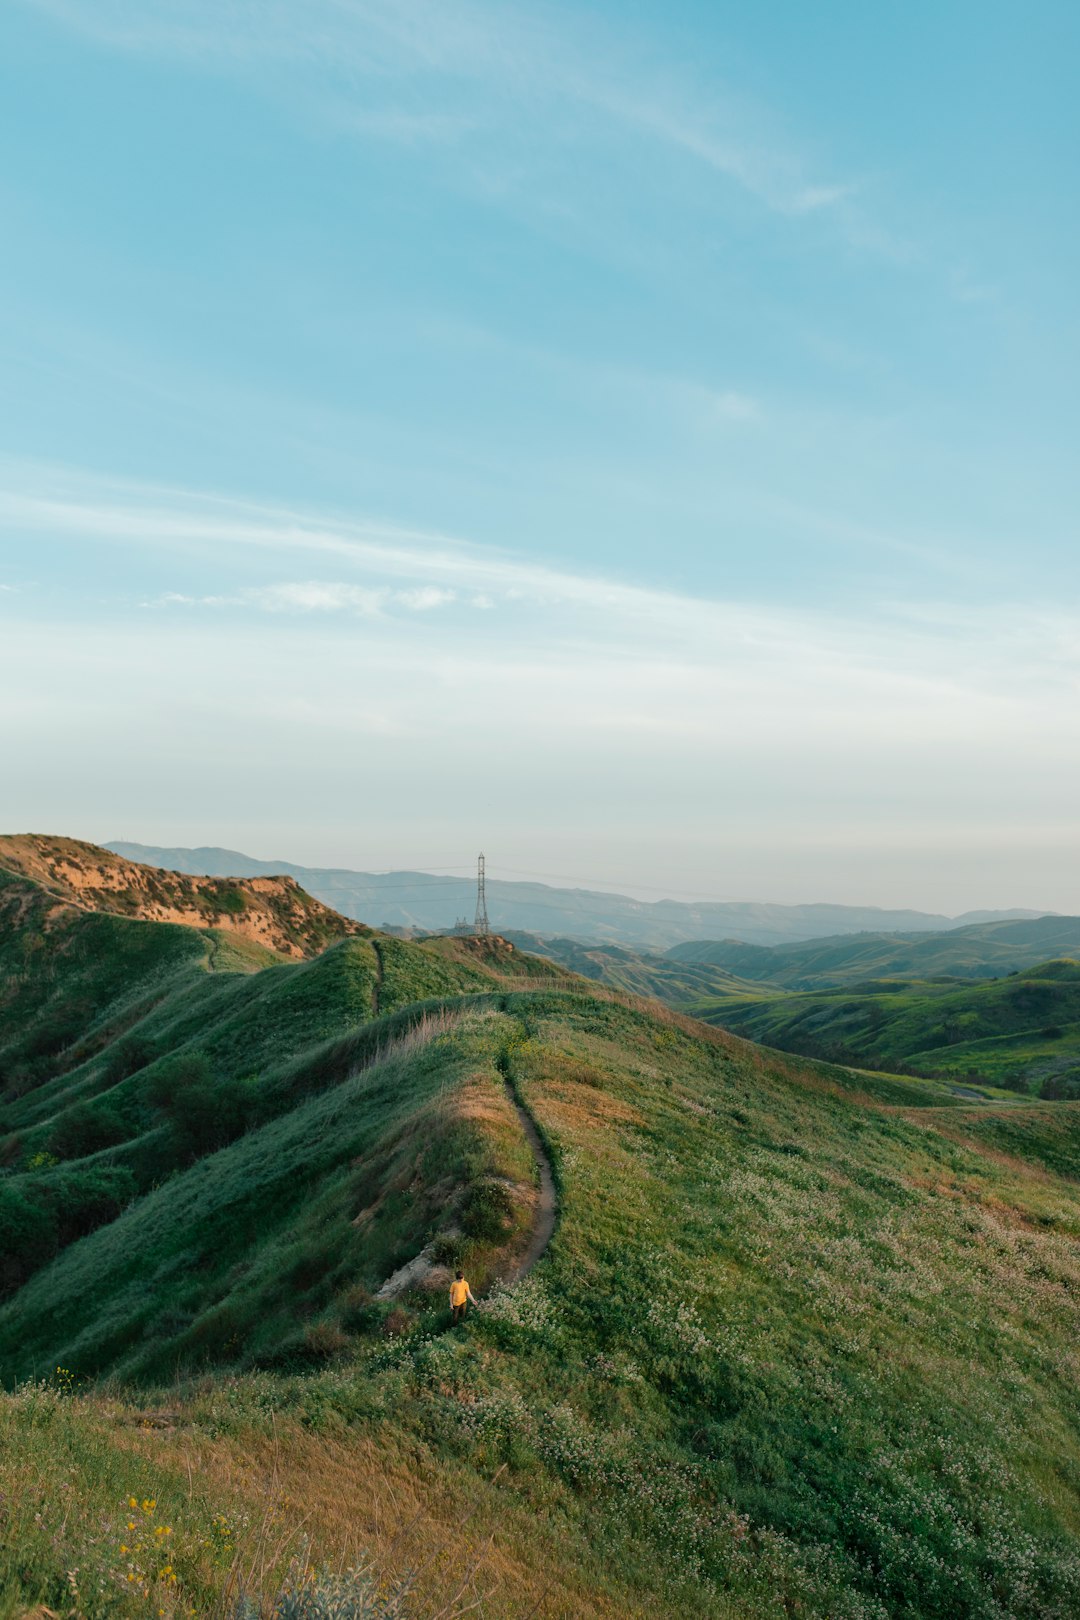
x,y
639,973
1020,1032
804,1342
978,951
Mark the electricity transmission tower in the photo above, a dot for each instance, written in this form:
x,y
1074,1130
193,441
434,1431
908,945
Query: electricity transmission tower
x,y
480,926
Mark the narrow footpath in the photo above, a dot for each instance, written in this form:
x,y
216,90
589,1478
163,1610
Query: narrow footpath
x,y
546,1209
412,1274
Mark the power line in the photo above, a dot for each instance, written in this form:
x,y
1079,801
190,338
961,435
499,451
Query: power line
x,y
481,924
457,885
616,886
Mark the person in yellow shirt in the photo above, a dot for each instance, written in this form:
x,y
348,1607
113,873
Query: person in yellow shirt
x,y
460,1295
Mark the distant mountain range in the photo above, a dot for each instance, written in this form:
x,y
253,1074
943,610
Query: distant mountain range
x,y
427,901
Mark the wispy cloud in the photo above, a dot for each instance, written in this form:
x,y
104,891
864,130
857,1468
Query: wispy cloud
x,y
318,596
911,649
399,125
442,564
714,718
481,66
813,198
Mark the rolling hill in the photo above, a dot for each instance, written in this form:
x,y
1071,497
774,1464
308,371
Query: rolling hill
x,y
639,973
429,902
1022,1031
803,1341
979,951
128,1049
271,911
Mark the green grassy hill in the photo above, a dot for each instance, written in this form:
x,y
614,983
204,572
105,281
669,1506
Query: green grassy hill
x,y
1022,1032
804,1341
129,1050
980,951
639,973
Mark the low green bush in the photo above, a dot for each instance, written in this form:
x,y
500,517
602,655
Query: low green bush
x,y
27,1237
85,1129
206,1112
487,1212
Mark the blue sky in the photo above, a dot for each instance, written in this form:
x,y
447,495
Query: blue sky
x,y
638,439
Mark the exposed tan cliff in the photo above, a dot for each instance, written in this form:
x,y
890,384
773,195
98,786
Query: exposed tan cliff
x,y
271,911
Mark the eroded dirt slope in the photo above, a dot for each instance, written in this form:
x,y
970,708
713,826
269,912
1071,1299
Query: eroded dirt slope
x,y
271,911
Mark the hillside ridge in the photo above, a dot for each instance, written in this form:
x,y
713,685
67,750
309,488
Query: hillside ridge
x,y
978,950
272,911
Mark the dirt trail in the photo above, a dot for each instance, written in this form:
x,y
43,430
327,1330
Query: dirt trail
x,y
547,1208
413,1273
376,987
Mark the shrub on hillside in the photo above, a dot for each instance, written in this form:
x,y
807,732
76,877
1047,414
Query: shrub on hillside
x,y
58,1031
446,1249
323,1340
16,1079
128,1057
82,1200
487,1211
27,1238
41,1054
1061,1087
206,1113
228,902
85,1129
359,1312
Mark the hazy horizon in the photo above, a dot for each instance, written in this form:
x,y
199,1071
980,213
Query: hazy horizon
x,y
500,872
638,443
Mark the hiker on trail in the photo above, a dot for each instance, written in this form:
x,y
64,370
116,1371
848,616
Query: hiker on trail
x,y
460,1295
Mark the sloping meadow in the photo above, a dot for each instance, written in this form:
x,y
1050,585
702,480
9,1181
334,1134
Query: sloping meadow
x,y
1021,1032
260,1251
131,1051
795,1347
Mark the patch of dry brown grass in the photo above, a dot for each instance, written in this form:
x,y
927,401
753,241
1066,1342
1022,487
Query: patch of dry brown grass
x,y
471,1545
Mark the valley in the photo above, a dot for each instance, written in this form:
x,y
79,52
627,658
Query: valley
x,y
979,1005
1021,1032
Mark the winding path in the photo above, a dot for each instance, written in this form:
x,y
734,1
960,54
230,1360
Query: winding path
x,y
547,1208
377,982
412,1274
